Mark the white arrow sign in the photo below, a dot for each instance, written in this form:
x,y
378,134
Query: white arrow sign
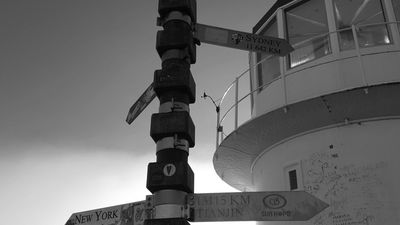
x,y
132,214
255,206
242,40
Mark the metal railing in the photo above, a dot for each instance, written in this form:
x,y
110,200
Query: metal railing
x,y
235,106
234,86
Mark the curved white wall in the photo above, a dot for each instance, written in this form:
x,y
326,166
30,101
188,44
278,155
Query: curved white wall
x,y
326,76
354,168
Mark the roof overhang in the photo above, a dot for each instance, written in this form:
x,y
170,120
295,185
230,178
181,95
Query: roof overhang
x,y
270,12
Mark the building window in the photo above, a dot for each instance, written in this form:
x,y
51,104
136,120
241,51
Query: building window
x,y
367,16
293,177
396,8
293,180
307,31
269,69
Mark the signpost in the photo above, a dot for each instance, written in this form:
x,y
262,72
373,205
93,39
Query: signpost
x,y
145,99
132,214
222,37
211,207
171,179
255,206
242,40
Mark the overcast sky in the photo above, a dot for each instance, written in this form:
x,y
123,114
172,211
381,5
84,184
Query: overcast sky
x,y
69,71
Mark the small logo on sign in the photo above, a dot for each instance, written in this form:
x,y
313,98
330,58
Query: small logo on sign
x,y
237,38
274,201
169,170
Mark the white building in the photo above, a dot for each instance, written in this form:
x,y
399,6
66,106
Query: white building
x,y
326,118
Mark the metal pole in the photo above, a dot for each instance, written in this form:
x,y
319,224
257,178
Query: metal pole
x,y
218,127
170,179
357,47
236,102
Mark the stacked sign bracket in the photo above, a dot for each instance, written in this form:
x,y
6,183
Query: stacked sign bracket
x,y
171,179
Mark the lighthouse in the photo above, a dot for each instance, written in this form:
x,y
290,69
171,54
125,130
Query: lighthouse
x,y
324,119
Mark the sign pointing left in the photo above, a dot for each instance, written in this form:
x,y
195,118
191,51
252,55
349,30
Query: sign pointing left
x,y
145,99
131,213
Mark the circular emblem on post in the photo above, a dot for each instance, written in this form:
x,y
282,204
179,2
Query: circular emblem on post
x,y
169,170
274,201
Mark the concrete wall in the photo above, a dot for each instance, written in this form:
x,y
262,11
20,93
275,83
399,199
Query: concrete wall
x,y
354,168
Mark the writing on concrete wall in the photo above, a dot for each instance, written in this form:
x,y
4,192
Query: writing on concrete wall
x,y
356,192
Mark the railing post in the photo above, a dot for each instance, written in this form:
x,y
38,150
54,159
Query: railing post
x,y
283,61
251,71
357,47
218,127
236,102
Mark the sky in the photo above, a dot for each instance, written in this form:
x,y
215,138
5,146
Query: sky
x,y
69,72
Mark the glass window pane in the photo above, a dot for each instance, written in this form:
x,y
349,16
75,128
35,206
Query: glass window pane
x,y
293,180
396,8
307,30
364,14
269,69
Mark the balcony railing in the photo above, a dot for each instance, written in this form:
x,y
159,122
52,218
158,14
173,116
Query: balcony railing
x,y
230,116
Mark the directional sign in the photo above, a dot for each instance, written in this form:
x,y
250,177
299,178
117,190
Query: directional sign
x,y
255,206
127,214
242,40
144,100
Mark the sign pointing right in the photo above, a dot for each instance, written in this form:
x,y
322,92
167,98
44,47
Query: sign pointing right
x,y
242,40
255,206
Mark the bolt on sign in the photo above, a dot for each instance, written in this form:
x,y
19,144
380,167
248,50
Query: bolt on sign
x,y
132,214
255,206
242,40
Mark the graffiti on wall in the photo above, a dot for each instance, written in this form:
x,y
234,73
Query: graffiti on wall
x,y
357,193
